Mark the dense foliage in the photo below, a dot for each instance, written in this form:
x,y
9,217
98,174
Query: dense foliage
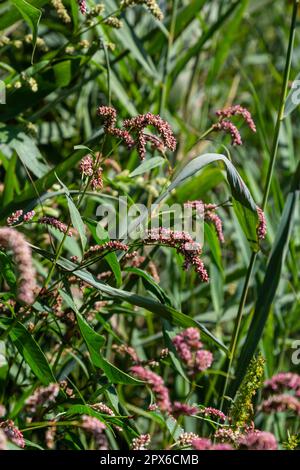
x,y
160,341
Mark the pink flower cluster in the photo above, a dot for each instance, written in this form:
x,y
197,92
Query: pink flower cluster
x,y
110,246
156,384
213,413
87,168
42,397
258,440
207,211
128,350
283,380
278,401
3,440
110,118
141,442
15,217
227,126
55,223
201,443
227,435
95,428
262,224
189,348
180,409
137,125
12,433
186,438
237,110
82,6
12,240
102,408
184,244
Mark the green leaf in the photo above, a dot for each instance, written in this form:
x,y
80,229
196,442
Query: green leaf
x,y
94,343
10,180
30,351
77,221
93,340
3,361
147,166
271,281
174,428
248,221
13,15
29,154
83,147
150,285
87,410
63,73
32,17
7,271
75,13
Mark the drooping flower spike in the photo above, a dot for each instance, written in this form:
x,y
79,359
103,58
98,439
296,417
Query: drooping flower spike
x,y
56,223
228,127
156,384
15,241
136,126
184,244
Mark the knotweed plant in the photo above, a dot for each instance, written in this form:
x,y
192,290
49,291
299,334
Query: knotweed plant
x,y
149,242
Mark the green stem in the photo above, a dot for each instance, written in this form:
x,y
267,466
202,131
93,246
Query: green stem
x,y
280,116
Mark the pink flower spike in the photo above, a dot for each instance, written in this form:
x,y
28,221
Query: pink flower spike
x,y
213,413
14,217
258,440
281,403
262,224
189,348
13,240
12,433
140,122
86,166
82,6
278,382
42,397
141,442
157,385
237,110
28,216
55,223
180,409
231,129
201,443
